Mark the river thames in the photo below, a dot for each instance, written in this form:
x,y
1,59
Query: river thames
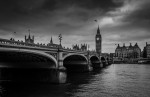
x,y
116,80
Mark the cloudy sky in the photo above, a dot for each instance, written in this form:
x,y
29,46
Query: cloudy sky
x,y
121,21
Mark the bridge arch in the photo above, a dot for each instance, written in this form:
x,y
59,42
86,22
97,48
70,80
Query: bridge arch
x,y
75,62
95,61
107,58
43,54
94,56
68,55
102,58
104,61
28,58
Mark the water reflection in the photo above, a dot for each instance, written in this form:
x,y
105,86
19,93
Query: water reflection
x,y
118,80
74,84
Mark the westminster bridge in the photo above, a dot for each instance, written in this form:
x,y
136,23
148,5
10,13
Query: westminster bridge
x,y
24,59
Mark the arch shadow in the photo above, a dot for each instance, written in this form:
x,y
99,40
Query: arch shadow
x,y
21,59
104,61
75,63
109,61
96,63
25,66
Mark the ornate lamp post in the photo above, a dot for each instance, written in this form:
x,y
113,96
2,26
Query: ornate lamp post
x,y
60,38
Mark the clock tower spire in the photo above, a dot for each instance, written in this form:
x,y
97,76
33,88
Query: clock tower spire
x,y
98,30
98,41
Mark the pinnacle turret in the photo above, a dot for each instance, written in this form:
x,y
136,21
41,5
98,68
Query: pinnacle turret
x,y
51,42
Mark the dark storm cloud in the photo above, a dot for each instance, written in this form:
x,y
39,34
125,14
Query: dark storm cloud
x,y
132,24
16,14
91,4
132,36
140,17
27,6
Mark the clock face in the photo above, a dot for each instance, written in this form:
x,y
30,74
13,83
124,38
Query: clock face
x,y
97,38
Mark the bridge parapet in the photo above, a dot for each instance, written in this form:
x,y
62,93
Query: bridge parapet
x,y
13,43
93,53
21,43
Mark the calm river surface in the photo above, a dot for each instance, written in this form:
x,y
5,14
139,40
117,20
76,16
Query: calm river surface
x,y
116,80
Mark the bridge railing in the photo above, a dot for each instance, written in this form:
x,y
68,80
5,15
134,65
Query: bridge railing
x,y
21,43
24,44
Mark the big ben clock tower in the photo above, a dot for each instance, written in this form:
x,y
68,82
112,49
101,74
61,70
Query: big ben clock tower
x,y
98,41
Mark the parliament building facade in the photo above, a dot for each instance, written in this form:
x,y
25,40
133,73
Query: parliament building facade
x,y
128,52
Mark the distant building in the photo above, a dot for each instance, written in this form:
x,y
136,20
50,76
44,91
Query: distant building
x,y
98,42
51,44
142,54
105,55
146,51
83,47
29,39
112,55
76,47
128,52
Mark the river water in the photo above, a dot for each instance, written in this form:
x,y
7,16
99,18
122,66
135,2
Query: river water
x,y
116,80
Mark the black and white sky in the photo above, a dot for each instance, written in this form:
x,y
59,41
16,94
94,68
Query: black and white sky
x,y
120,21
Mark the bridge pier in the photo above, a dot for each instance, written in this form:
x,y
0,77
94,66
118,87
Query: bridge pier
x,y
101,65
61,75
89,66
